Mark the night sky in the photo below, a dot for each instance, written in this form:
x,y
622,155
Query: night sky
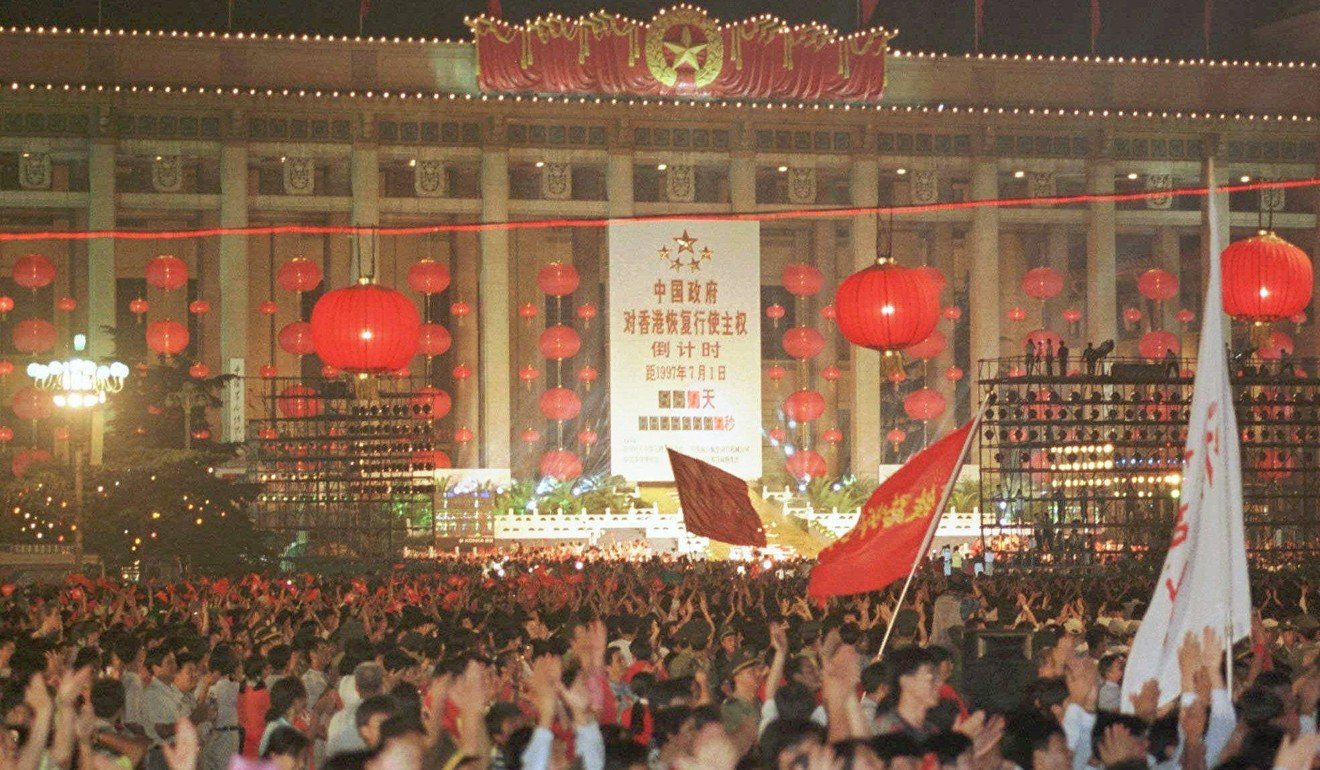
x,y
1130,27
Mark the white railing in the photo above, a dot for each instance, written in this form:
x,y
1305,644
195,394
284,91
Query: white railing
x,y
954,525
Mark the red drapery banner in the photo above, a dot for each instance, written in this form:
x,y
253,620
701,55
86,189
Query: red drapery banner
x,y
883,545
680,52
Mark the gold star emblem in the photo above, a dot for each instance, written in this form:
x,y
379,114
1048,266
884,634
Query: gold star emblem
x,y
706,253
685,243
685,51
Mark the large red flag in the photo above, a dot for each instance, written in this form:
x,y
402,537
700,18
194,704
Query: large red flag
x,y
883,545
865,10
715,502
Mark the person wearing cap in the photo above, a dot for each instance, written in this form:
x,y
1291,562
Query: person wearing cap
x,y
728,640
741,711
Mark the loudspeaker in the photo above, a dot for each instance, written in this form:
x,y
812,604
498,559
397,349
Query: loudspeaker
x,y
997,667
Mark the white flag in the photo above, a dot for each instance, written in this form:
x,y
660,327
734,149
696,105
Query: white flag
x,y
1204,580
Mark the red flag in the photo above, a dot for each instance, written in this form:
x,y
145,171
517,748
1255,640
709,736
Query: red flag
x,y
494,9
364,7
865,10
884,543
1095,23
715,502
980,24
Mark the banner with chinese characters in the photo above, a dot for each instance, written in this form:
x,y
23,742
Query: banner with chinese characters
x,y
685,346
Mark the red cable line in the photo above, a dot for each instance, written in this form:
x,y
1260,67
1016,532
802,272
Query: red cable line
x,y
540,224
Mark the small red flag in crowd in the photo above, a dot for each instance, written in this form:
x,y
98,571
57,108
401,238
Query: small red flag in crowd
x,y
715,502
883,545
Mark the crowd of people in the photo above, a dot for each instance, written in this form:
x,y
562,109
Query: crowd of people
x,y
535,660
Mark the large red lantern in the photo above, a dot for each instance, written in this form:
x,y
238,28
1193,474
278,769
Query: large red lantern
x,y
1047,339
562,464
886,307
33,271
803,342
1265,278
559,342
801,279
1276,346
924,404
35,335
1155,345
168,338
365,329
432,459
433,340
560,404
167,272
30,403
431,403
805,465
928,348
298,274
428,277
557,279
934,275
804,405
296,338
299,401
1157,285
1042,283
26,458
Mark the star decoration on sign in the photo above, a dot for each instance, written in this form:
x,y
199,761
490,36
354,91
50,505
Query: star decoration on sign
x,y
686,52
686,244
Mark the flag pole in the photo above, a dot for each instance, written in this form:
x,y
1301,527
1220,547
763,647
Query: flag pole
x,y
934,524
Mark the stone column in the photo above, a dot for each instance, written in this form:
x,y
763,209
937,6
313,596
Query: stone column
x,y
1101,257
493,309
100,271
233,287
619,183
865,434
742,182
465,259
983,282
365,176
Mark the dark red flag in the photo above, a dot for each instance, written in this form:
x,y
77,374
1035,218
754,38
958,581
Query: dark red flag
x,y
364,7
980,24
715,502
865,10
494,9
1095,23
883,545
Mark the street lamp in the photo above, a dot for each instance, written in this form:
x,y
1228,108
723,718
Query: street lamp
x,y
80,385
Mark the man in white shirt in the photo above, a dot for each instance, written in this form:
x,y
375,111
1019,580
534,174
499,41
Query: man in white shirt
x,y
342,736
224,740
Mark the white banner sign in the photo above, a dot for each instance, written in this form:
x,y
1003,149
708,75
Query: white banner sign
x,y
685,346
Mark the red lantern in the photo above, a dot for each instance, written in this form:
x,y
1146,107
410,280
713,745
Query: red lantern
x,y
199,371
432,459
831,374
561,464
805,465
33,271
1185,316
953,374
268,434
463,435
560,404
430,403
1157,285
26,458
66,304
199,307
34,335
299,401
802,342
832,436
1072,315
775,312
928,348
801,279
299,274
886,307
296,338
1042,283
1155,345
61,433
1265,279
460,310
586,312
1016,371
6,304
433,340
29,403
528,374
559,342
201,434
6,434
829,313
897,377
167,272
428,277
924,404
557,279
1017,315
6,367
896,436
329,372
530,436
268,307
528,311
804,405
268,372
952,313
1276,346
777,435
461,372
1132,315
775,373
934,276
587,375
1048,338
586,437
365,329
